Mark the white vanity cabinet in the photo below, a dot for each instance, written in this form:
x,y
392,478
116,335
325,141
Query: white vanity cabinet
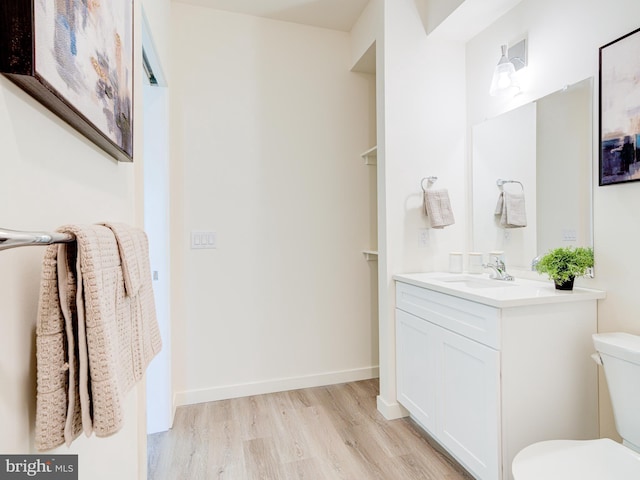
x,y
488,373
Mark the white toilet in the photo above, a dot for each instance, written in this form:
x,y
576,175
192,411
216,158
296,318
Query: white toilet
x,y
602,459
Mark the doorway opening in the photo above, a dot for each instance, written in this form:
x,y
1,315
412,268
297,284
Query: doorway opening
x,y
156,224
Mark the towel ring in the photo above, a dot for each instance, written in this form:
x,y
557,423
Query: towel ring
x,y
430,181
500,183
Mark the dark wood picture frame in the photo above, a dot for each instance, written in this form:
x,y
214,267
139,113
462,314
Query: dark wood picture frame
x,y
19,63
619,111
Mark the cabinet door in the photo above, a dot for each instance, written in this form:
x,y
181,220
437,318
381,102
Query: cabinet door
x,y
469,403
416,346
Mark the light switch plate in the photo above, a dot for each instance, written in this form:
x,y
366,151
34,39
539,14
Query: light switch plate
x,y
203,239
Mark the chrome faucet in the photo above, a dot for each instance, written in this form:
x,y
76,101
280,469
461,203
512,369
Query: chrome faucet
x,y
499,270
535,262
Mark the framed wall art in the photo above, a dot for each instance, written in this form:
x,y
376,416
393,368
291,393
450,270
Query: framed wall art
x,y
76,58
620,110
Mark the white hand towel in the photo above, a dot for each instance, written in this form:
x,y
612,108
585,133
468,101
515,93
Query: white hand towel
x,y
511,208
438,208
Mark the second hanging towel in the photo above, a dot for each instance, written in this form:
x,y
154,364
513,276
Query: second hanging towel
x,y
511,209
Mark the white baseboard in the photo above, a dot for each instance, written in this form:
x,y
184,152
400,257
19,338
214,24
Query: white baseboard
x,y
190,397
391,411
174,406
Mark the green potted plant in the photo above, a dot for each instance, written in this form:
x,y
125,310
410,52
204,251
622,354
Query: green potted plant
x,y
563,264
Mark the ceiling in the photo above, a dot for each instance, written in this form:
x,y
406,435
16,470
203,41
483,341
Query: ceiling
x,y
332,14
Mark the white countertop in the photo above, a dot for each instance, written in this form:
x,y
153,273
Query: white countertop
x,y
497,293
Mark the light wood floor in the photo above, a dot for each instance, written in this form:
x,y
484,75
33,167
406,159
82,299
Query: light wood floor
x,y
323,433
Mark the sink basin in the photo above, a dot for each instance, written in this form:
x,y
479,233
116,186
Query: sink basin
x,y
476,282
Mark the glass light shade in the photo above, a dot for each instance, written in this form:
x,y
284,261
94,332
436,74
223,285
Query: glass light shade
x,y
503,81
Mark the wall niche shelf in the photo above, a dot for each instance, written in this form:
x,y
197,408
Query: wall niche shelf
x,y
370,157
370,255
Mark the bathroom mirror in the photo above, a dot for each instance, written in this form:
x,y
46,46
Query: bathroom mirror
x,y
545,145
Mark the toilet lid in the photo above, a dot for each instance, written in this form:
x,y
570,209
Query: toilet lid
x,y
601,459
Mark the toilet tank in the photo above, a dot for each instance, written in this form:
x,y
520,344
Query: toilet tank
x,y
620,354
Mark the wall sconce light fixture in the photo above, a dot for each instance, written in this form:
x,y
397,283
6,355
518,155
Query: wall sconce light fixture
x,y
504,81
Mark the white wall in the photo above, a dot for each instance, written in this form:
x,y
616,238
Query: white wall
x,y
270,124
421,133
365,31
434,12
52,176
564,38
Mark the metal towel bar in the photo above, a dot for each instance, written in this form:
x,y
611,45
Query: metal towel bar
x,y
14,238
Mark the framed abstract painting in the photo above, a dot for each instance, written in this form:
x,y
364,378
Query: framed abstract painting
x,y
76,58
620,110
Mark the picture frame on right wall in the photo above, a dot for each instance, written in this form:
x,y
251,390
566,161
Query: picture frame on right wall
x,y
620,110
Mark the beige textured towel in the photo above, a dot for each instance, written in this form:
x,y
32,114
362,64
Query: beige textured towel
x,y
94,337
511,209
57,362
133,247
438,208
